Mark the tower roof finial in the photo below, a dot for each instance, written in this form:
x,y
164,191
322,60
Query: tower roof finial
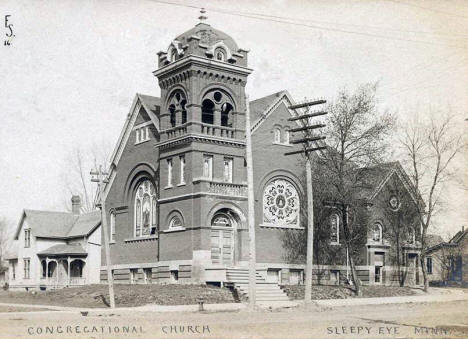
x,y
202,16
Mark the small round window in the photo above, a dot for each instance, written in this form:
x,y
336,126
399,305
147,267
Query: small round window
x,y
217,96
394,203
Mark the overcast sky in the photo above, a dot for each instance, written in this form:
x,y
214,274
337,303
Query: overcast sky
x,y
72,70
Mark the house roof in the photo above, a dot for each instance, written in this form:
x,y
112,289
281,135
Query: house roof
x,y
64,249
371,178
458,237
259,106
50,224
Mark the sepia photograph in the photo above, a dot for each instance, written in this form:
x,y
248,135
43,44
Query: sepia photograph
x,y
234,169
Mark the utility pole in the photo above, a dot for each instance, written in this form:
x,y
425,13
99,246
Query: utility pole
x,y
308,141
251,212
99,176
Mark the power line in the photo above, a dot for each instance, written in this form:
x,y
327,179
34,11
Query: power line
x,y
428,9
331,29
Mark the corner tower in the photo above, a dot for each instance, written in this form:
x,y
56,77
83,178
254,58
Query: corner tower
x,y
202,76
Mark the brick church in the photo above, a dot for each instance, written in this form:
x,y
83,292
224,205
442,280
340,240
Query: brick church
x,y
176,200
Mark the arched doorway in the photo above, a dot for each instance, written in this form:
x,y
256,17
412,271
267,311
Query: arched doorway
x,y
224,223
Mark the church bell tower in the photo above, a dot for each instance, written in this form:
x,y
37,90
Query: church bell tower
x,y
202,76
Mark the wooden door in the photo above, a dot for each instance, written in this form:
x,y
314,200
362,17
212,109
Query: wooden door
x,y
222,246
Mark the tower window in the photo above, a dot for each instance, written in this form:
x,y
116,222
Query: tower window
x,y
169,172
227,170
226,108
182,169
220,54
208,167
208,112
377,233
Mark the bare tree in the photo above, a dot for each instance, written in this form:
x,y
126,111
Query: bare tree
x,y
430,149
76,177
357,137
6,241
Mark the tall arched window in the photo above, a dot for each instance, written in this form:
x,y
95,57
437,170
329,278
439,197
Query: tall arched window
x,y
377,232
277,135
208,112
411,235
334,229
281,205
176,105
145,210
286,136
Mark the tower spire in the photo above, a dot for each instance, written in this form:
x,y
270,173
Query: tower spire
x,y
202,16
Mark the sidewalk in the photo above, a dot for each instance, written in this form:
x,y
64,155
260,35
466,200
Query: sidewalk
x,y
435,295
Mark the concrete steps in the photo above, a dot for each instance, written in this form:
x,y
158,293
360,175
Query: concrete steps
x,y
265,291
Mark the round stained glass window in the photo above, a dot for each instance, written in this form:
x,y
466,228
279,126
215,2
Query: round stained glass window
x,y
394,203
281,204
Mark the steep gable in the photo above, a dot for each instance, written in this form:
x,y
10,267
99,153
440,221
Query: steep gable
x,y
144,108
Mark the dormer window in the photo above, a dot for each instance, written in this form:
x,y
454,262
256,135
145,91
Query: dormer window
x,y
173,55
220,54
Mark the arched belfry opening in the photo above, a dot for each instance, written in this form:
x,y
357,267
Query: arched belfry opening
x,y
208,112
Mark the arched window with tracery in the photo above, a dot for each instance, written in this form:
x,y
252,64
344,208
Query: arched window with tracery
x,y
281,205
177,103
377,232
217,101
176,222
145,209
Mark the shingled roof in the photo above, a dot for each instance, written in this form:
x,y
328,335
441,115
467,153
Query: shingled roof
x,y
64,249
50,224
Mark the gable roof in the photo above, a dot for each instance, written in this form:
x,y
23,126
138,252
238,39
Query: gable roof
x,y
259,107
152,106
50,224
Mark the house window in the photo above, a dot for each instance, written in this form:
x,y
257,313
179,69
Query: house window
x,y
277,135
145,210
335,229
112,226
182,169
429,265
208,167
27,268
227,170
377,233
169,172
27,238
281,205
13,270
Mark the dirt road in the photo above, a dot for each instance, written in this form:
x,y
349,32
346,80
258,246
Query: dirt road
x,y
421,320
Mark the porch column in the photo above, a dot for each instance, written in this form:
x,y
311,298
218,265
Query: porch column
x,y
47,270
68,269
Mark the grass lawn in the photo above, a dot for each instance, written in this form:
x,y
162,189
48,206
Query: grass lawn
x,y
296,292
125,295
8,309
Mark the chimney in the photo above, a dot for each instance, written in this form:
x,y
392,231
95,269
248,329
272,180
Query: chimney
x,y
76,204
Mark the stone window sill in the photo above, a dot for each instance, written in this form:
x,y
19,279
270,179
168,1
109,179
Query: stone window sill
x,y
137,239
174,229
281,227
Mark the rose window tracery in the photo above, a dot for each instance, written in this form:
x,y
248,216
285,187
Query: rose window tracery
x,y
281,204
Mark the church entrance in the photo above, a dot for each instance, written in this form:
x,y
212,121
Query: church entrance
x,y
223,226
